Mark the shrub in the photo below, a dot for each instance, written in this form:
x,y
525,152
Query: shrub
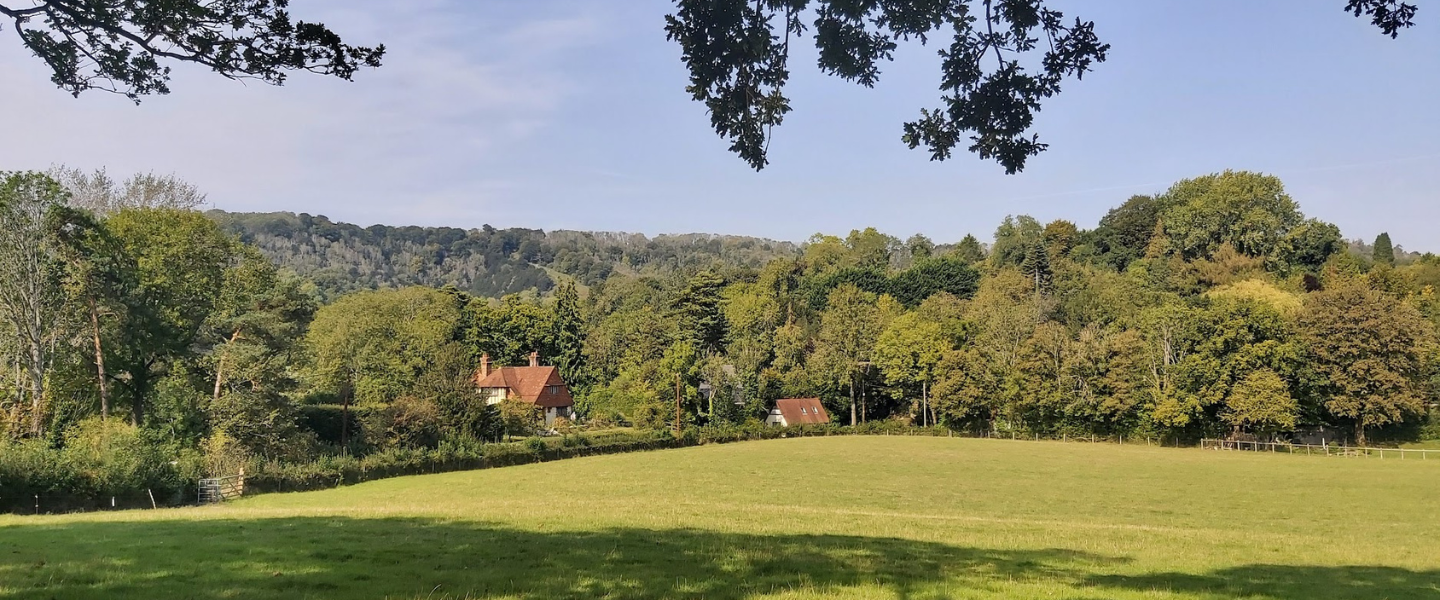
x,y
264,424
223,456
100,460
114,458
520,418
408,422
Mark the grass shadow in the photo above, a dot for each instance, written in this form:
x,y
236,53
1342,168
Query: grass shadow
x,y
337,557
1287,582
325,557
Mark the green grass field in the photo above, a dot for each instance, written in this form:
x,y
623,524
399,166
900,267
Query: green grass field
x,y
844,517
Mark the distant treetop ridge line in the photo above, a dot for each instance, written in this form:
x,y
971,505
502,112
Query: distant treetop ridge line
x,y
1244,216
342,257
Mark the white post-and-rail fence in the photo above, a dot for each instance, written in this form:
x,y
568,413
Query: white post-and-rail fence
x,y
219,489
1318,450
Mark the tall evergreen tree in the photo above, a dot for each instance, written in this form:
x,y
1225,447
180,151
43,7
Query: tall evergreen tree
x,y
969,250
1036,266
702,320
1383,251
569,337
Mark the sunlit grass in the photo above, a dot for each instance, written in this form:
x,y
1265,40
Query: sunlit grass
x,y
845,517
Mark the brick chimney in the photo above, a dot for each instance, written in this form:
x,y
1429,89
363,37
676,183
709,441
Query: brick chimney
x,y
485,365
534,359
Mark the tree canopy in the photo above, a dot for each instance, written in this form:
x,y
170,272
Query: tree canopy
x,y
1000,60
122,47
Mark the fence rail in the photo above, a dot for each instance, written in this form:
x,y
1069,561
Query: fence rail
x,y
220,489
1319,449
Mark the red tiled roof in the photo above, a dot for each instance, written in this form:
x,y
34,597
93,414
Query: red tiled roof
x,y
799,411
541,386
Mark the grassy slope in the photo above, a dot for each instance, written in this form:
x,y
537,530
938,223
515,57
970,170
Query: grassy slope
x,y
855,517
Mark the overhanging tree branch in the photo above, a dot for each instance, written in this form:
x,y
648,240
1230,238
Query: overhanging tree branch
x,y
118,46
737,63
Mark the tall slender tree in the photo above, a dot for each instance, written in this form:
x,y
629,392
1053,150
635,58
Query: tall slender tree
x,y
30,295
568,338
848,329
97,277
1036,267
700,309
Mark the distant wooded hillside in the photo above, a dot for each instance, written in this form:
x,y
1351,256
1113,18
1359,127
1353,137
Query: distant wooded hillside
x,y
341,257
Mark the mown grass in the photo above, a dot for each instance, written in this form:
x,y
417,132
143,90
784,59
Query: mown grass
x,y
841,517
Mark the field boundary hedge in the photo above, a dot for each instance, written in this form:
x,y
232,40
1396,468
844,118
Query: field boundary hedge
x,y
334,471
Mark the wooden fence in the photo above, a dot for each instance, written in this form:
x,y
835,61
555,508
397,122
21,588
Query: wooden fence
x,y
1320,449
220,489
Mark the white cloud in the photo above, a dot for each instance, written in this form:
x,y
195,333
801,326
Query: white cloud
x,y
459,85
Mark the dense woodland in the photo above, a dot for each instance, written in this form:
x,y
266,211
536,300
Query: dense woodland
x,y
144,337
340,257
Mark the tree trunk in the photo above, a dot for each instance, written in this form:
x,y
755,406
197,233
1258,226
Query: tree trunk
x,y
1360,432
864,406
345,392
139,388
99,361
220,364
925,399
14,425
37,388
852,399
344,424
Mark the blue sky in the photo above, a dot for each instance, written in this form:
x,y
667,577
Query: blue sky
x,y
572,114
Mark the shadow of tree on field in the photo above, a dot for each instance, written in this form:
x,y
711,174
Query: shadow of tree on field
x,y
324,557
335,557
1287,582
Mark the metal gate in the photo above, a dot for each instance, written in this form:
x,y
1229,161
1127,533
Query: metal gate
x,y
220,489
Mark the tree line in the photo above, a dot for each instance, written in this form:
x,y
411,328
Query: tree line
x,y
341,257
1213,308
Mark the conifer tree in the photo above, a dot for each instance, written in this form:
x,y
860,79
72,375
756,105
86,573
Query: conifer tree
x,y
568,337
969,251
700,311
1383,251
1037,266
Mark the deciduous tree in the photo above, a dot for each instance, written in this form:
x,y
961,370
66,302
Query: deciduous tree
x,y
30,296
1261,402
848,329
180,260
98,277
908,352
1370,351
